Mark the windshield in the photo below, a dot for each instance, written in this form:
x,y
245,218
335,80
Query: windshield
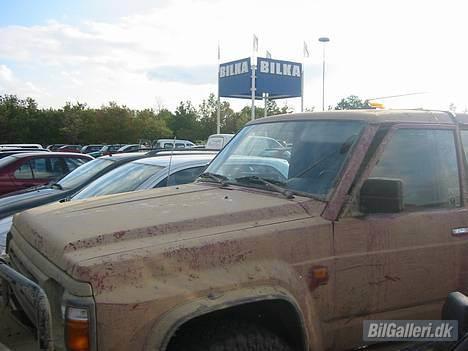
x,y
302,156
84,173
125,178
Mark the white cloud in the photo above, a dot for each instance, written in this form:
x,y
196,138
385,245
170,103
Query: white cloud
x,y
11,84
377,49
5,74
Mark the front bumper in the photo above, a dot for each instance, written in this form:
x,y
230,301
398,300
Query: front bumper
x,y
32,294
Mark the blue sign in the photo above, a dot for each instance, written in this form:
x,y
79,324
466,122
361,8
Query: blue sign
x,y
280,79
235,79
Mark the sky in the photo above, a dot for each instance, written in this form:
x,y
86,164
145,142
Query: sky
x,y
153,54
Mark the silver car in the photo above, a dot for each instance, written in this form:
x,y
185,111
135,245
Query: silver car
x,y
148,173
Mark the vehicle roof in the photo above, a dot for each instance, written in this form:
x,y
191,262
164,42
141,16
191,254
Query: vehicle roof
x,y
13,145
124,155
169,140
220,135
163,161
49,153
374,116
22,149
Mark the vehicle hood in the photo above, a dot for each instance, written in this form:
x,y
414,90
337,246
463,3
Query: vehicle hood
x,y
24,200
68,233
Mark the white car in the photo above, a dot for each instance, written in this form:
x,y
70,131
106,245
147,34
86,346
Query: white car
x,y
21,146
218,141
171,144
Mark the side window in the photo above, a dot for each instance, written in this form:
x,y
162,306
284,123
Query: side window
x,y
40,168
425,160
464,139
168,145
161,184
186,176
180,146
24,172
73,163
57,167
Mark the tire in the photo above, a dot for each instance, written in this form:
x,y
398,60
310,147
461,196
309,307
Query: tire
x,y
227,336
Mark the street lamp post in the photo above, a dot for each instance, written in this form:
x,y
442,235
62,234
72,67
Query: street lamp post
x,y
323,40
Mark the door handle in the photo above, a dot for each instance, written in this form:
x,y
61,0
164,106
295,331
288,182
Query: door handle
x,y
460,231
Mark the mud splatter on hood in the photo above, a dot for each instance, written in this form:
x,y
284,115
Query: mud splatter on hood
x,y
73,232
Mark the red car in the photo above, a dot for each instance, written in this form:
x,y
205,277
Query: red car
x,y
25,170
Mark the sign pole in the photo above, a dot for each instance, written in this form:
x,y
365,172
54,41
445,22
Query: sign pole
x,y
265,97
253,66
302,89
252,115
305,54
218,110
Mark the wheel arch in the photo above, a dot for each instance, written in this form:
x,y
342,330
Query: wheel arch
x,y
164,329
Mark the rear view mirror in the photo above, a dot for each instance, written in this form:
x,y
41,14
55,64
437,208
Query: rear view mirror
x,y
381,195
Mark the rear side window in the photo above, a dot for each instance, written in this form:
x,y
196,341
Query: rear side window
x,y
426,162
182,177
464,138
40,168
57,167
24,172
73,163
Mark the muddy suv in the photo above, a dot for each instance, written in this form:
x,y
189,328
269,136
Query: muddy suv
x,y
354,215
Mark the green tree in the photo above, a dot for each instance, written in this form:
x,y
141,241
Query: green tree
x,y
352,102
149,126
184,123
207,116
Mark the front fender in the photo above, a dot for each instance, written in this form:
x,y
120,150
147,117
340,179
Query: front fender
x,y
165,327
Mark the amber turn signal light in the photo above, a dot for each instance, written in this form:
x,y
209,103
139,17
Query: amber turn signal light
x,y
318,276
77,329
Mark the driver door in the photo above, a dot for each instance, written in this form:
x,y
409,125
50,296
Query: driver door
x,y
402,265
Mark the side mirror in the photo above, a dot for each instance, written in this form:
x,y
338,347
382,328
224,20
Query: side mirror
x,y
381,195
456,308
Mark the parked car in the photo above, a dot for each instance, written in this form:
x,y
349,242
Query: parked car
x,y
54,147
8,152
129,148
70,148
107,150
25,170
171,144
91,148
148,173
67,186
369,222
218,141
91,173
28,146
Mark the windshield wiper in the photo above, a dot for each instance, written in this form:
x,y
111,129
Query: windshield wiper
x,y
56,186
268,183
217,178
